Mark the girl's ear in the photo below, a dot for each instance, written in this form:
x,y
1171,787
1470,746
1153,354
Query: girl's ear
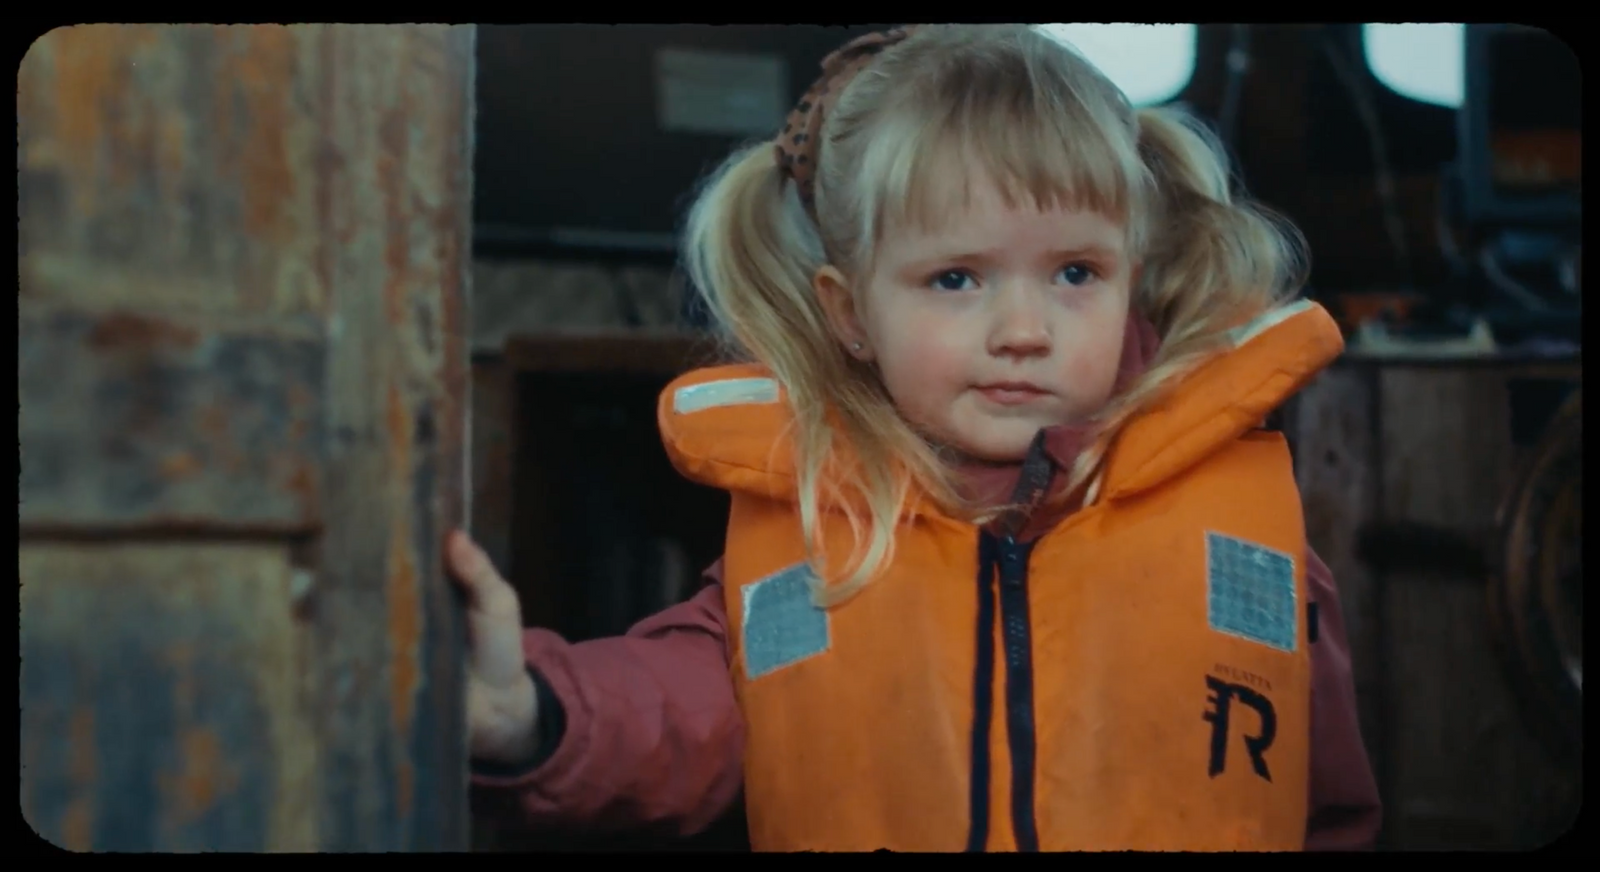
x,y
840,307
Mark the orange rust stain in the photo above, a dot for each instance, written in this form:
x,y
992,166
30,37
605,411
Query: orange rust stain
x,y
179,465
87,57
203,776
399,433
404,601
77,826
124,330
77,822
172,149
90,98
302,481
405,630
214,424
264,71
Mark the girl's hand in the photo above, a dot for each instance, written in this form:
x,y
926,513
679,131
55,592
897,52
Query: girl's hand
x,y
501,706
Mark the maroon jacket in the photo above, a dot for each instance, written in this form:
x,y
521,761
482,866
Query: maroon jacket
x,y
644,730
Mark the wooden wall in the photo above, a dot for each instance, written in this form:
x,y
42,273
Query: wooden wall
x,y
1435,445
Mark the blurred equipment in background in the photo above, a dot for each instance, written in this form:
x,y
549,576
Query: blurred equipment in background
x,y
1507,217
1536,591
1518,188
1520,128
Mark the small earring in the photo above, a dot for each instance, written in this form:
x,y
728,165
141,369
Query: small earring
x,y
856,347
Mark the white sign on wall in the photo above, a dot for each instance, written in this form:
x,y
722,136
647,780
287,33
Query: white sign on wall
x,y
721,93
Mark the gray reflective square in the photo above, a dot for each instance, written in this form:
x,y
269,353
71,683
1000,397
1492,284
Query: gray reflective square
x,y
781,624
1251,593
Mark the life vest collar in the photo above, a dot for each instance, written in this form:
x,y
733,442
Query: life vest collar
x,y
727,426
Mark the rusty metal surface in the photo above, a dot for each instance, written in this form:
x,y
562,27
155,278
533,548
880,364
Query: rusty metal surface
x,y
184,726
397,172
252,214
139,422
171,168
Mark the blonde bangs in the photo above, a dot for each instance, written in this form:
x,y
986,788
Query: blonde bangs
x,y
1018,120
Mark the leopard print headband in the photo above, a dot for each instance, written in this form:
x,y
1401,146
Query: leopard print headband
x,y
799,142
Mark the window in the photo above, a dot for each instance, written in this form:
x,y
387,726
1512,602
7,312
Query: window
x,y
1151,63
1426,62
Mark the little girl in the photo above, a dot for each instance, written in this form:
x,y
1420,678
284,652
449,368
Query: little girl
x,y
1011,562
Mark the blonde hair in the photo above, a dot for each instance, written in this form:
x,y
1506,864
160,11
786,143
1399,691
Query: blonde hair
x,y
1050,130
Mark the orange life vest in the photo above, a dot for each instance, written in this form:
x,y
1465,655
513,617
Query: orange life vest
x,y
1136,679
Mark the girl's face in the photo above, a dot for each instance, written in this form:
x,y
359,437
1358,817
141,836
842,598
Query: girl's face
x,y
1006,321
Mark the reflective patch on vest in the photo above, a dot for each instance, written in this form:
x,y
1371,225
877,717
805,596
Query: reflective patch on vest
x,y
782,626
1251,593
1246,332
728,392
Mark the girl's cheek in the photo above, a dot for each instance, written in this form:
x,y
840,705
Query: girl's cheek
x,y
925,350
1092,371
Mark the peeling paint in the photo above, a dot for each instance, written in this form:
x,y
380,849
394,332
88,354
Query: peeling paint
x,y
128,419
203,210
203,777
157,694
180,464
123,330
262,64
89,74
169,167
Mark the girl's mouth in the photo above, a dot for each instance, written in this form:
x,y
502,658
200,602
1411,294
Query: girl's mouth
x,y
1012,393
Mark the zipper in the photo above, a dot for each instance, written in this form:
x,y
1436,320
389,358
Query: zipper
x,y
1004,556
1018,646
1008,559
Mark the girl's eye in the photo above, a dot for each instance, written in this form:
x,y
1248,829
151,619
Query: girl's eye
x,y
1077,274
952,280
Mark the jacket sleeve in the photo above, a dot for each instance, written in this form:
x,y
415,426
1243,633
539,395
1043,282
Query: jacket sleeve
x,y
637,731
1344,812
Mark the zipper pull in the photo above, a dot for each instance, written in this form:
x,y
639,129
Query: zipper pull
x,y
1013,563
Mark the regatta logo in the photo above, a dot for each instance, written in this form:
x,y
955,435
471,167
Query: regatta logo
x,y
1258,683
1223,695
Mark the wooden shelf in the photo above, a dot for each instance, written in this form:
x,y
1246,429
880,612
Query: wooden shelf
x,y
666,354
1527,365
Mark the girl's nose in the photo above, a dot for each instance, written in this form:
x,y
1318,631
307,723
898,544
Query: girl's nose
x,y
1020,327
